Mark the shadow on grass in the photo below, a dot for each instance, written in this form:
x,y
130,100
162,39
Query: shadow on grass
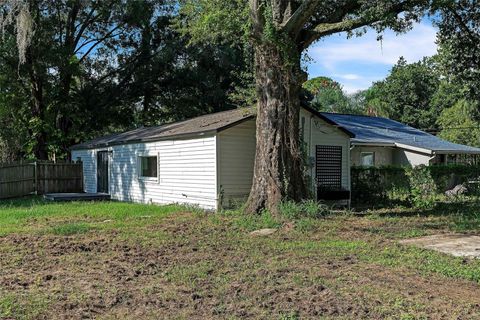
x,y
23,202
466,207
462,215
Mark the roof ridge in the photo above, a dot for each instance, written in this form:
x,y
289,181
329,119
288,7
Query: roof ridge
x,y
196,117
359,115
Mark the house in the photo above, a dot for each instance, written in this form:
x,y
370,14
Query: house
x,y
206,161
380,141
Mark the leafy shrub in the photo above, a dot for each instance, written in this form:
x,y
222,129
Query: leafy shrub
x,y
378,185
392,185
306,209
423,189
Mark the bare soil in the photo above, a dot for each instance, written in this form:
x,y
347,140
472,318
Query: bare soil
x,y
204,270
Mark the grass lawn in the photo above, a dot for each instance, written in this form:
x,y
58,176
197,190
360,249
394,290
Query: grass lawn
x,y
113,260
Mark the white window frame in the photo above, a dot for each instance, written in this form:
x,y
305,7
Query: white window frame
x,y
367,153
139,167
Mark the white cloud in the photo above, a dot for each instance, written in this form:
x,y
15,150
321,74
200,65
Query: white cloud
x,y
357,62
349,76
413,46
353,88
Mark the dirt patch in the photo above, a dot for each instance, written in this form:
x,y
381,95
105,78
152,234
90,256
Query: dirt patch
x,y
458,245
203,270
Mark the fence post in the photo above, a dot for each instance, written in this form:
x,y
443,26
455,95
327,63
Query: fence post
x,y
36,177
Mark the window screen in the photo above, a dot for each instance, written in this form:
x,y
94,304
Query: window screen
x,y
329,167
367,159
148,166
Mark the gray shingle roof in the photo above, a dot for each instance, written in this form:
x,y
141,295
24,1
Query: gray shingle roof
x,y
376,130
200,125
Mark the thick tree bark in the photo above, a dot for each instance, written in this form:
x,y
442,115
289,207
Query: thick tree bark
x,y
278,173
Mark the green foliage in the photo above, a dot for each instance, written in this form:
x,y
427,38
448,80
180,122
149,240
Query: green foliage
x,y
372,185
325,94
215,21
306,209
130,67
316,85
422,187
458,39
458,123
406,93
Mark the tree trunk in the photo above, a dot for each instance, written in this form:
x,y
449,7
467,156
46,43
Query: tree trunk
x,y
278,173
37,111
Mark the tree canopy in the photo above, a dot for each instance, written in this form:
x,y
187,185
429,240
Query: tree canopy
x,y
406,93
459,42
72,70
94,67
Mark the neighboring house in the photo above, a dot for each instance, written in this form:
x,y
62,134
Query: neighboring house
x,y
380,141
206,161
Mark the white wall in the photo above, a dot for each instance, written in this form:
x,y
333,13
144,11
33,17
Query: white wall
x,y
188,167
383,155
404,158
236,155
88,158
187,172
318,132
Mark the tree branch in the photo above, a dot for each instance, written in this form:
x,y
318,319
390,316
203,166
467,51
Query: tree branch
x,y
462,24
326,29
110,34
256,17
298,19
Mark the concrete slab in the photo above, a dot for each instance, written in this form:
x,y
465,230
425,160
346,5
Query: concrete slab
x,y
459,245
77,196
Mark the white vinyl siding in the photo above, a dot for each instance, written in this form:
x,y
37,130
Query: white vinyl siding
x,y
200,170
89,161
236,156
319,132
186,172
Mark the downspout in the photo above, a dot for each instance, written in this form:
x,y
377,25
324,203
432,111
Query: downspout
x,y
432,157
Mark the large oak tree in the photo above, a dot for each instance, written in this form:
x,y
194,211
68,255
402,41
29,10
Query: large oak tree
x,y
280,31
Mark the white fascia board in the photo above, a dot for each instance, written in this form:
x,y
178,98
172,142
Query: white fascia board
x,y
416,149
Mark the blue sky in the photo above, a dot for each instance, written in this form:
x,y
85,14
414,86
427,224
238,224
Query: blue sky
x,y
357,62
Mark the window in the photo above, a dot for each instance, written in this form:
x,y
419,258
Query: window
x,y
367,159
148,166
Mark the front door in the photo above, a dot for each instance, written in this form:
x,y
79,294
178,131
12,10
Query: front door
x,y
102,171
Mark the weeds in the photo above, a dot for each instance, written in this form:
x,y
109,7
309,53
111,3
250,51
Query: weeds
x,y
69,229
306,209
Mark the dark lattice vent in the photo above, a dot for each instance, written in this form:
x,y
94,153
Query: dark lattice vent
x,y
329,167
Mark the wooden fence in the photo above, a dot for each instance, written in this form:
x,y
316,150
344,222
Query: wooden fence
x,y
20,179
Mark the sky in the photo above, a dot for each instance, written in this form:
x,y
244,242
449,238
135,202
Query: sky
x,y
357,62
